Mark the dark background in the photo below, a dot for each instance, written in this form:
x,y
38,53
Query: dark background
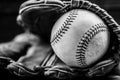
x,y
8,13
9,28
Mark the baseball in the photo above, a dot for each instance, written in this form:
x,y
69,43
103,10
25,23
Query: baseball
x,y
80,38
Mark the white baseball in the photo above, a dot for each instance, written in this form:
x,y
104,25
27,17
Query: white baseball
x,y
80,38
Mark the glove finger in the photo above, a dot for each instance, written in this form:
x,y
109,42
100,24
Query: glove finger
x,y
39,3
20,70
101,68
30,9
4,61
59,72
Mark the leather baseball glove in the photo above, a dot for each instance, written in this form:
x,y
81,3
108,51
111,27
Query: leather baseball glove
x,y
11,51
40,59
39,15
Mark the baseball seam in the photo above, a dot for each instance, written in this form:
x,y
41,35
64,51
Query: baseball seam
x,y
65,26
86,38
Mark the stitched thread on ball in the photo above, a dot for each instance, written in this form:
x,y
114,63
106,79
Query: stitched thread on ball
x,y
65,26
86,38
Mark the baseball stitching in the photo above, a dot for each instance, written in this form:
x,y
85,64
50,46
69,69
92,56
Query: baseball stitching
x,y
86,38
65,26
